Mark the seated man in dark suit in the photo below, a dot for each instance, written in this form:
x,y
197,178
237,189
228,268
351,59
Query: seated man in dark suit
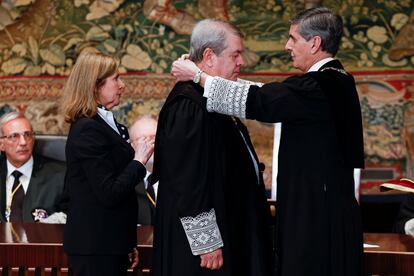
x,y
31,185
146,192
405,218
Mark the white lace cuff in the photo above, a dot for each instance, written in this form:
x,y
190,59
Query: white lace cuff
x,y
228,97
202,232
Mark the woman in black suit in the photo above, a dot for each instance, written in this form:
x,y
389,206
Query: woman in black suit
x,y
103,169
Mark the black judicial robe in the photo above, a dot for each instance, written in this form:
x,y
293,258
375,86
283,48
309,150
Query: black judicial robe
x,y
405,213
318,226
202,162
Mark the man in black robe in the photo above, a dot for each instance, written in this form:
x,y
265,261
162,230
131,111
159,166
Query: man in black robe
x,y
404,223
212,216
318,226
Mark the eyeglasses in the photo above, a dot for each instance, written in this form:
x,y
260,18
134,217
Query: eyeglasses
x,y
14,137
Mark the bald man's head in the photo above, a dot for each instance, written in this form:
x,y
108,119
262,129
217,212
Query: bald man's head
x,y
144,126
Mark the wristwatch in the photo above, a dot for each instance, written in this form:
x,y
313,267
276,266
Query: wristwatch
x,y
197,76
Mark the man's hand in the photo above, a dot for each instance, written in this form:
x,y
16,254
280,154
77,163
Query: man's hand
x,y
184,69
133,258
184,57
144,147
212,260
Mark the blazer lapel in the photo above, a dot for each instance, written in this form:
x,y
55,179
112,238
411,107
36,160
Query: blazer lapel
x,y
111,131
32,189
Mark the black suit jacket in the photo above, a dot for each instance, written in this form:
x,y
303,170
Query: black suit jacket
x,y
100,180
45,187
146,209
405,214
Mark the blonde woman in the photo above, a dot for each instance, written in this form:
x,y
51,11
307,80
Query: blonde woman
x,y
103,168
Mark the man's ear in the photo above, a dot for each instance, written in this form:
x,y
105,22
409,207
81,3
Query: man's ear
x,y
208,57
316,44
1,144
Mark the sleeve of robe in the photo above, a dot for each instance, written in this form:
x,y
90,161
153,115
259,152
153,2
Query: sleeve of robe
x,y
186,151
272,102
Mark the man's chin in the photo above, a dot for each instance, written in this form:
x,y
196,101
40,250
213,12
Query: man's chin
x,y
20,160
24,157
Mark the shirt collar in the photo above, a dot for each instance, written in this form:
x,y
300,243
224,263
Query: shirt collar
x,y
319,64
108,117
146,180
26,169
104,112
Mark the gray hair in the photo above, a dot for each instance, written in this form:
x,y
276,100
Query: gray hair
x,y
9,117
210,33
320,22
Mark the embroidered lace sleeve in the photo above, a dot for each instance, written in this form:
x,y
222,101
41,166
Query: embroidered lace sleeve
x,y
228,97
202,232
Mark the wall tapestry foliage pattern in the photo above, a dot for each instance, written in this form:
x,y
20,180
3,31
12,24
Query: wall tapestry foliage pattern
x,y
44,37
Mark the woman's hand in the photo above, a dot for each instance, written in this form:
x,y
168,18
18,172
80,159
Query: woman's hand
x,y
133,258
184,69
144,147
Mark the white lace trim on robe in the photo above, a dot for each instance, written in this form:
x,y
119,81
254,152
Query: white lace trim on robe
x,y
202,232
228,97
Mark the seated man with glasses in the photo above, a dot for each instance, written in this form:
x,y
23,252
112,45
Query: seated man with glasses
x,y
31,186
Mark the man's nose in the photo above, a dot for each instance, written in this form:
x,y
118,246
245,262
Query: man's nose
x,y
121,84
240,61
22,140
288,47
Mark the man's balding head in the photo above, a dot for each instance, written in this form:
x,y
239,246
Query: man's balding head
x,y
144,126
216,47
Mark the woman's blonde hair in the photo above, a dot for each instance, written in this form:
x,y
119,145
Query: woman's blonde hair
x,y
87,76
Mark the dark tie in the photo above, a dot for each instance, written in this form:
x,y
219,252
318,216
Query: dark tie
x,y
16,208
150,190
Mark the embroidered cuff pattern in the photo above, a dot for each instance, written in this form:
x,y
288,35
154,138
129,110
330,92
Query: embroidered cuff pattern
x,y
202,232
228,97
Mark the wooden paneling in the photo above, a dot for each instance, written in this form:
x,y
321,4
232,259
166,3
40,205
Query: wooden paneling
x,y
37,249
